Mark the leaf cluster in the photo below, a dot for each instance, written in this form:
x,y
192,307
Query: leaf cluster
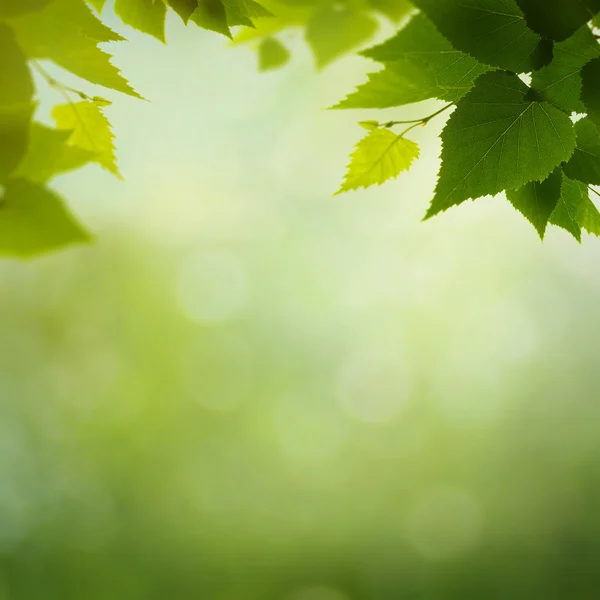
x,y
523,80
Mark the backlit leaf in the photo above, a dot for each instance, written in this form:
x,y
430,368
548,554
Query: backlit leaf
x,y
380,156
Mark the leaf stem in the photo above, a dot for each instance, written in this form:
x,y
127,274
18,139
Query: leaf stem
x,y
593,190
61,87
417,122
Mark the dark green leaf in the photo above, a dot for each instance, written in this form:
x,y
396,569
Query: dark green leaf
x,y
493,31
558,19
584,165
560,81
590,90
537,200
497,139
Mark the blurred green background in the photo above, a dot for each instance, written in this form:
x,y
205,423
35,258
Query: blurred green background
x,y
250,390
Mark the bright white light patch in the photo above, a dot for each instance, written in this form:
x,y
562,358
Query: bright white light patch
x,y
213,287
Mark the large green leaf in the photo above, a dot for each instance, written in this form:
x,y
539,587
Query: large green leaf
x,y
34,220
537,200
493,31
380,156
419,64
68,33
497,139
558,19
560,81
584,165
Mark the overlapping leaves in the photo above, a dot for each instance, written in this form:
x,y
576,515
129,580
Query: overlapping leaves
x,y
33,35
503,134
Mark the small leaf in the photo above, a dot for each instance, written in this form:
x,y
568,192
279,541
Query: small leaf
x,y
272,54
380,156
537,200
91,131
370,125
34,220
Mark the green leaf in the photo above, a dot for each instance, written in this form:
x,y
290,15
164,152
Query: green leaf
x,y
50,154
16,102
590,90
336,30
67,32
272,54
558,19
584,165
242,12
14,136
211,15
419,64
588,215
147,16
560,81
59,24
492,31
401,82
570,207
34,220
537,200
91,131
184,8
497,139
395,10
16,84
380,156
12,8
97,4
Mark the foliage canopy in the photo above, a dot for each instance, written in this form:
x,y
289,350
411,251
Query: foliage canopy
x,y
537,138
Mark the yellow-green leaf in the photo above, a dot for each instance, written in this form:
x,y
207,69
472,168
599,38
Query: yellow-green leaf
x,y
380,156
91,131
